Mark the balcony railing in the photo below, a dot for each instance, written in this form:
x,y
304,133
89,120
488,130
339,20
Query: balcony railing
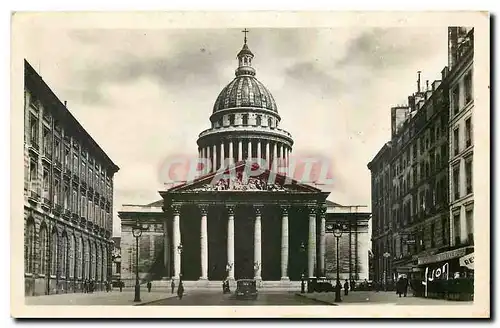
x,y
34,144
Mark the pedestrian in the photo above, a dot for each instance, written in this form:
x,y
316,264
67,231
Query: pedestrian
x,y
399,286
120,284
346,287
405,286
302,285
149,286
173,286
180,290
353,284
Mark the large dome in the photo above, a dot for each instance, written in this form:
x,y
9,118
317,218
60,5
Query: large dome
x,y
245,91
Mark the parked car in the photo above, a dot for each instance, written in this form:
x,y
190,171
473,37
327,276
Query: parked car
x,y
246,288
321,284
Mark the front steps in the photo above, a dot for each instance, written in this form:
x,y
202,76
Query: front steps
x,y
217,284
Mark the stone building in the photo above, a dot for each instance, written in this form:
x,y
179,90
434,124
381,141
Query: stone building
x,y
68,196
429,155
232,223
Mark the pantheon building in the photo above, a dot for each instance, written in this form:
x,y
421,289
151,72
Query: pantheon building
x,y
267,226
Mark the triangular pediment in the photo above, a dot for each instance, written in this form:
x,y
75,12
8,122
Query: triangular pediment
x,y
241,178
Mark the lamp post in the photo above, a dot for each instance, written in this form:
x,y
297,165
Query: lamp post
x,y
179,250
302,252
337,232
137,232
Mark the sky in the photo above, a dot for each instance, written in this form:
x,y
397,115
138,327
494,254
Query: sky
x,y
145,95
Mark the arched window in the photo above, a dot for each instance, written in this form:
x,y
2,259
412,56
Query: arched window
x,y
245,119
64,255
104,263
79,258
43,250
269,122
53,253
231,119
258,120
29,244
71,256
98,262
92,261
86,261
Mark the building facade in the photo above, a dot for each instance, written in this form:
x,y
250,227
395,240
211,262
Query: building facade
x,y
68,196
230,224
422,198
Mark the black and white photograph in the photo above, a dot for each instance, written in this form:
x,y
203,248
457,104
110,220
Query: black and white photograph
x,y
303,168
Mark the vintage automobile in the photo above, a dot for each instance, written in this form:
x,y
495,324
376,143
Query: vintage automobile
x,y
246,288
321,284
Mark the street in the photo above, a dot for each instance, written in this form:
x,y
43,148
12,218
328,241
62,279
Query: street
x,y
217,298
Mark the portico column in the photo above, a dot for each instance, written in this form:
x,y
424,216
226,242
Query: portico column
x,y
230,242
284,243
231,157
176,240
214,158
257,255
249,155
207,158
166,249
322,242
267,154
240,151
204,243
222,154
259,151
311,245
275,157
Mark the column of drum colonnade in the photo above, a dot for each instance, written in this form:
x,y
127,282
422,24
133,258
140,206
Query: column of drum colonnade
x,y
233,150
285,253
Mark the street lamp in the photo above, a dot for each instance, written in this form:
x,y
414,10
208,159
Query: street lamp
x,y
137,232
337,232
302,276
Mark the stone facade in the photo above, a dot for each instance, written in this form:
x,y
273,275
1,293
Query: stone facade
x,y
67,239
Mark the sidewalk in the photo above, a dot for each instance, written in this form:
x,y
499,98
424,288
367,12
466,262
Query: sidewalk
x,y
126,297
372,297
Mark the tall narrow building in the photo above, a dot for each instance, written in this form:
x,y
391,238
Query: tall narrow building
x,y
68,197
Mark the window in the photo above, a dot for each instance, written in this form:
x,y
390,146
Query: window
x,y
66,196
456,182
86,261
57,191
96,213
64,255
84,208
468,132
79,258
45,184
231,119
67,163
74,202
75,164
258,120
270,122
34,130
414,147
29,244
57,150
456,135
455,99
33,170
71,256
47,142
421,140
220,122
43,250
53,254
432,159
444,154
468,176
91,207
469,223
456,228
468,87
245,119
84,171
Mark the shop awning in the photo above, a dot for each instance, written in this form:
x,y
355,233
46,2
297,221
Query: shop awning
x,y
445,256
467,261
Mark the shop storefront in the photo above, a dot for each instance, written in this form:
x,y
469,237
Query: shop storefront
x,y
448,275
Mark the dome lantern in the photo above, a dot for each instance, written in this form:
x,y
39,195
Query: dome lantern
x,y
245,57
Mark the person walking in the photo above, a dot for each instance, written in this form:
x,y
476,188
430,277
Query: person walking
x,y
180,290
173,286
346,287
149,286
405,286
120,283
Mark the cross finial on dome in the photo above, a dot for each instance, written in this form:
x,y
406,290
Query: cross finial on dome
x,y
245,31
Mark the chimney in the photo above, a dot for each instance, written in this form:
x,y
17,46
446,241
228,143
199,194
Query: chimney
x,y
427,85
418,81
65,103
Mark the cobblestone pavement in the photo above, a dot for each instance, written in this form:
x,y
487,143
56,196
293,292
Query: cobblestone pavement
x,y
371,297
126,297
217,298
